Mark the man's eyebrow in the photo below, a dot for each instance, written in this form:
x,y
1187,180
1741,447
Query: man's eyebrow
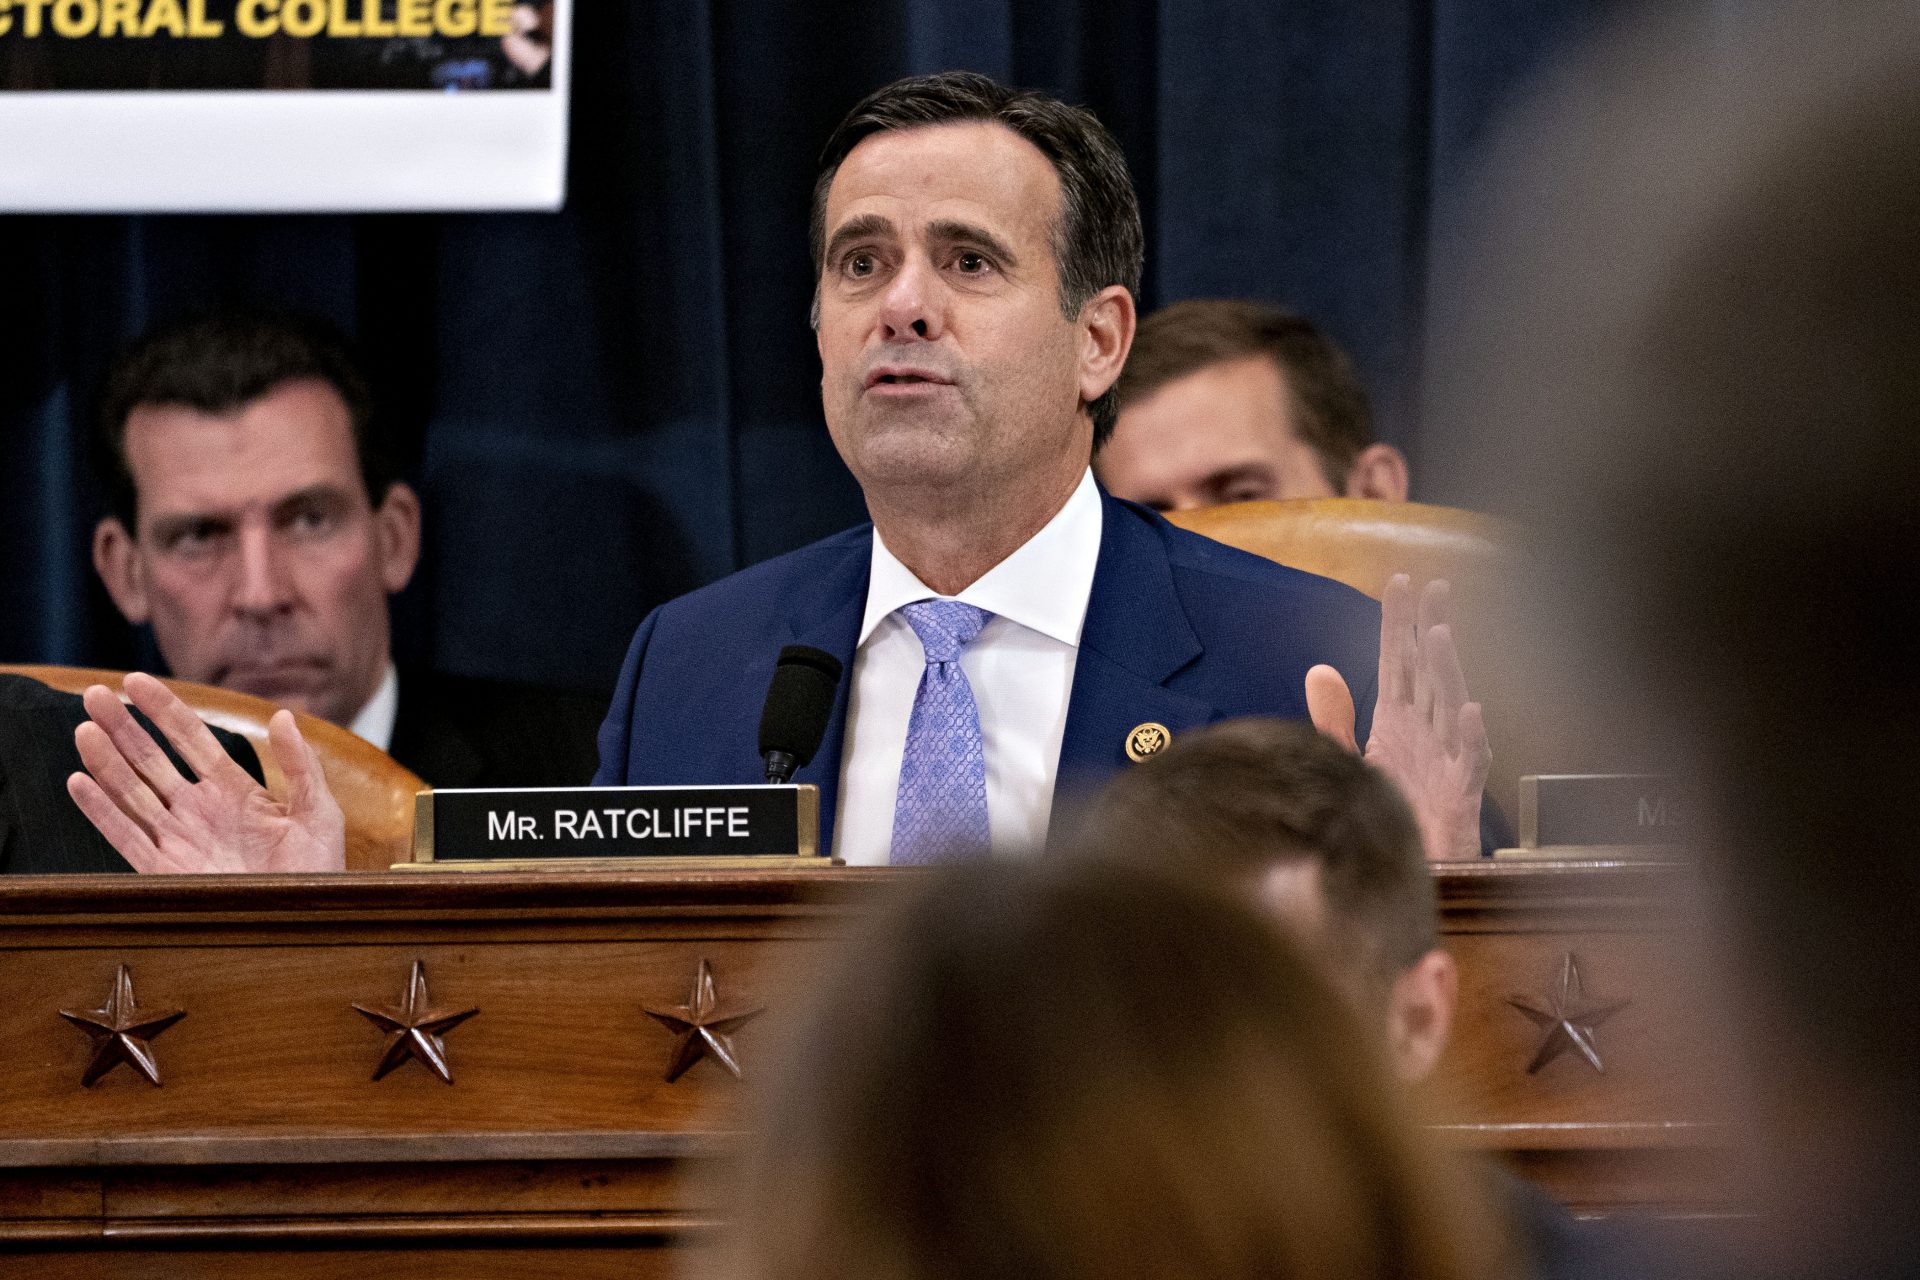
x,y
1241,471
860,228
166,528
324,493
178,522
952,232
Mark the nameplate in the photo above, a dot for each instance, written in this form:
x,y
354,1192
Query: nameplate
x,y
1601,809
468,828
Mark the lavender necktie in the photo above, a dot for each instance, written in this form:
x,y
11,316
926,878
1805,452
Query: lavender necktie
x,y
940,811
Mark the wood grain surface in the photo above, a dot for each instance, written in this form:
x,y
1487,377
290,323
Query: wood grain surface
x,y
560,1147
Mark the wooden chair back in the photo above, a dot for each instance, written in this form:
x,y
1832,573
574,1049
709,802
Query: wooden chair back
x,y
376,792
1363,543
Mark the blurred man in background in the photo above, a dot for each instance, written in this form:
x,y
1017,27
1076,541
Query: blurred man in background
x,y
1273,813
1280,815
1229,401
259,524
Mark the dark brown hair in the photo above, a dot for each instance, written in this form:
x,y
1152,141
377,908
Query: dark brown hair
x,y
1098,241
1224,803
1332,415
219,362
1066,1070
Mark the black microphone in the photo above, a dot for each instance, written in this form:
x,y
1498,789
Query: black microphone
x,y
799,704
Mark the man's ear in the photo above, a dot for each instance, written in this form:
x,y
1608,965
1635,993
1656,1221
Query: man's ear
x,y
1379,472
1107,323
396,528
116,558
1420,1014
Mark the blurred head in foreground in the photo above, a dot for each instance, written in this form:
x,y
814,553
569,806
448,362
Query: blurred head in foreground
x,y
1224,400
1280,815
1687,358
1087,1071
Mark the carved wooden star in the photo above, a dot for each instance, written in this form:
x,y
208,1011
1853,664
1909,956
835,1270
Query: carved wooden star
x,y
702,1029
1569,1020
120,1032
414,1029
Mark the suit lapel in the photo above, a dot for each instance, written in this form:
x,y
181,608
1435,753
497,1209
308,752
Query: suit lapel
x,y
1135,639
830,621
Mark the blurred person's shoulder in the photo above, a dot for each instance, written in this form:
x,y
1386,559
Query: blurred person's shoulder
x,y
1556,1245
1559,1246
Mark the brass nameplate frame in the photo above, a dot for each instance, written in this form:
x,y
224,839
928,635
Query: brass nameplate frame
x,y
625,828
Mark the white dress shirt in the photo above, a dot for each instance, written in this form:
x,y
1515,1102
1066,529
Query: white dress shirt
x,y
375,721
1020,666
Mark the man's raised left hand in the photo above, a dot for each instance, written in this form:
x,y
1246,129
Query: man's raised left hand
x,y
1426,735
223,821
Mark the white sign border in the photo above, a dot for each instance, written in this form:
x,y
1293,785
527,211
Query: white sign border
x,y
285,151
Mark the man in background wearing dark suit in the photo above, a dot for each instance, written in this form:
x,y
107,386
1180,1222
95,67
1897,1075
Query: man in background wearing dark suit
x,y
259,524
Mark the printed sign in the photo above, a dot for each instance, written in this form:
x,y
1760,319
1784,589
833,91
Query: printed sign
x,y
161,105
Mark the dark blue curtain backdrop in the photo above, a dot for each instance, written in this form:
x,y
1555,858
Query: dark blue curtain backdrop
x,y
618,402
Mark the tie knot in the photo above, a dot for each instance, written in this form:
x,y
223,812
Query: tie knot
x,y
945,627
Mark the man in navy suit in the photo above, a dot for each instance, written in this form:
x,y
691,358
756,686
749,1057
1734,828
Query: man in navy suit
x,y
1011,635
978,252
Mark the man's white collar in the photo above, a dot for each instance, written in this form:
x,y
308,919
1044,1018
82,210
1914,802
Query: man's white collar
x,y
1043,585
375,721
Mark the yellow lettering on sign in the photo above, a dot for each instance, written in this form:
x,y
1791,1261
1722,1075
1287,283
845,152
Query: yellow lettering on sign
x,y
372,20
248,18
303,19
496,17
6,19
199,25
31,27
74,18
415,18
164,13
118,17
454,17
338,24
